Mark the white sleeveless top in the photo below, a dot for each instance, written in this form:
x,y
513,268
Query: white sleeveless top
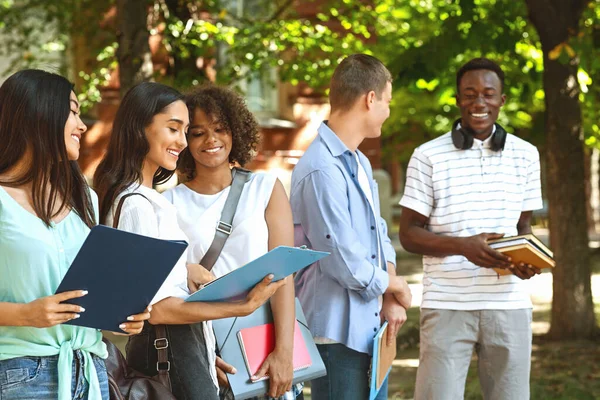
x,y
198,215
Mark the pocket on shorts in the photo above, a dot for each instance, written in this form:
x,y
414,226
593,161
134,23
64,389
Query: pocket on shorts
x,y
19,371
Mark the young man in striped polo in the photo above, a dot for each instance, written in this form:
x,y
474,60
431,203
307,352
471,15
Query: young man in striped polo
x,y
472,184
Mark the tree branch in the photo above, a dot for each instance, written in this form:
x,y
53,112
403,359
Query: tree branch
x,y
280,10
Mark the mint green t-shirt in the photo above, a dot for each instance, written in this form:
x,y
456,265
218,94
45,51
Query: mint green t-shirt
x,y
33,260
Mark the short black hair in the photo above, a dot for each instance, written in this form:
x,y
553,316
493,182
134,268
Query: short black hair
x,y
480,63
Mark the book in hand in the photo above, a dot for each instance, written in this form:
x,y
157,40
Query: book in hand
x,y
526,249
258,342
121,271
383,357
282,261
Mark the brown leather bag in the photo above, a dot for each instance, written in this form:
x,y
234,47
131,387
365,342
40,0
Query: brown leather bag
x,y
125,383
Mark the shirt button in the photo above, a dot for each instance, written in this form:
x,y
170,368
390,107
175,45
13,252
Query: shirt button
x,y
328,236
376,314
374,329
353,175
373,256
372,228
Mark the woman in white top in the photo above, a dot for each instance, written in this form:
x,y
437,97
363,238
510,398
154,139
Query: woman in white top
x,y
148,135
223,132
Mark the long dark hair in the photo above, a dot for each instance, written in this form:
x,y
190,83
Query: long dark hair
x,y
128,146
34,108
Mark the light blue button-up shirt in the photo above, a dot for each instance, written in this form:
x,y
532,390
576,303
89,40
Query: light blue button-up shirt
x,y
339,294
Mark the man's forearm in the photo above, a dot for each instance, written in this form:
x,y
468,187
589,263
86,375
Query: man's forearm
x,y
419,240
391,269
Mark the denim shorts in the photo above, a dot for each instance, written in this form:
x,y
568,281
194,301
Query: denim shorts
x,y
27,378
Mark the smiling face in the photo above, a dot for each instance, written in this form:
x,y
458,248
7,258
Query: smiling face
x,y
209,141
74,129
480,99
166,136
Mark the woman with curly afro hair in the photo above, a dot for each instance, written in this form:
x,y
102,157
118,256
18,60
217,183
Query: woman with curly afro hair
x,y
222,133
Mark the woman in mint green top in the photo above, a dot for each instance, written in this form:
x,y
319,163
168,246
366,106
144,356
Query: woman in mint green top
x,y
46,212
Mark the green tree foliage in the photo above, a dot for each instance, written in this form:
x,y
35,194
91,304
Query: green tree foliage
x,y
422,41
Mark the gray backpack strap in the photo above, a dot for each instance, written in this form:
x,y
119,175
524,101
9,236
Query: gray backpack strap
x,y
224,226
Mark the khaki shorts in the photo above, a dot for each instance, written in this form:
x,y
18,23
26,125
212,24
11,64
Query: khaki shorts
x,y
500,338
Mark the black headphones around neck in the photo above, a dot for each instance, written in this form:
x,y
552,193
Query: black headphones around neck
x,y
463,137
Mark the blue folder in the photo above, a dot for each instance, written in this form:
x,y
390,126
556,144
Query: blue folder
x,y
378,342
230,351
121,271
282,261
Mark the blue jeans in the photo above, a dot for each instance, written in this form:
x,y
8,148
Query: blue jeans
x,y
27,378
347,375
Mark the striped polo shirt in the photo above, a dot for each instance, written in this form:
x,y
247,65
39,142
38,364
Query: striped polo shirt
x,y
465,193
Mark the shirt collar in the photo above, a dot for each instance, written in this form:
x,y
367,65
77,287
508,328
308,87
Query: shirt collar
x,y
487,143
332,141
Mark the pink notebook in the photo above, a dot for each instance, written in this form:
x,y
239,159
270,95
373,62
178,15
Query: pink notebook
x,y
259,341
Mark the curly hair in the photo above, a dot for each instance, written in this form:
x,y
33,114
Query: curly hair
x,y
229,109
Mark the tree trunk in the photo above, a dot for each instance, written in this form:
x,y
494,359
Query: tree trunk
x,y
572,306
591,189
133,54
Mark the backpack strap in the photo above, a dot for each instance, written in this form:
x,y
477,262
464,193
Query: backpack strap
x,y
239,178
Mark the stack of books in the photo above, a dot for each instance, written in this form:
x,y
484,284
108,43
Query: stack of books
x,y
526,249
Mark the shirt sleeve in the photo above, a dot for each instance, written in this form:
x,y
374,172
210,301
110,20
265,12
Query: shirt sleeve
x,y
138,216
532,195
388,249
418,191
322,210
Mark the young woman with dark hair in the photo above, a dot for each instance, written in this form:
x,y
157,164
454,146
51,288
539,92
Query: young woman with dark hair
x,y
46,212
148,135
222,133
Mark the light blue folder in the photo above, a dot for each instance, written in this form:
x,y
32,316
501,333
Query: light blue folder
x,y
379,336
282,261
229,348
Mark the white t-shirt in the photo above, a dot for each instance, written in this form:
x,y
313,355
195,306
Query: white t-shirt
x,y
155,217
198,214
465,193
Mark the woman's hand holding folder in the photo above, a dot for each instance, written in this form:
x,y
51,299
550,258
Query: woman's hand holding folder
x,y
174,310
263,292
198,276
51,310
134,323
